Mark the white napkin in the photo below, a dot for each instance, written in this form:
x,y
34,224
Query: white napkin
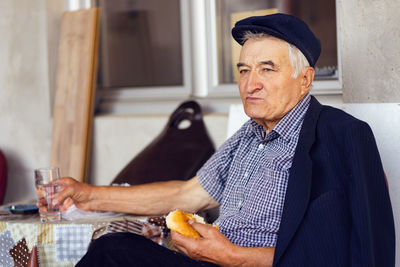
x,y
73,213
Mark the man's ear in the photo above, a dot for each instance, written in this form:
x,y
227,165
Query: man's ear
x,y
307,77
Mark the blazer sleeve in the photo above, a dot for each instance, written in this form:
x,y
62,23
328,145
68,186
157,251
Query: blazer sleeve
x,y
372,241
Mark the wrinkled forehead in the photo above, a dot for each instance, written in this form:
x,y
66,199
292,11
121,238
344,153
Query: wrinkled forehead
x,y
260,36
266,48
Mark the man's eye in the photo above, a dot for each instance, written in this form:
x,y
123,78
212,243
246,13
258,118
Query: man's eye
x,y
267,69
243,71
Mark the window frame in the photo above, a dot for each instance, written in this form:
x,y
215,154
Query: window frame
x,y
200,71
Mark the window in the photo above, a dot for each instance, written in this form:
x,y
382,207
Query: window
x,y
140,44
155,53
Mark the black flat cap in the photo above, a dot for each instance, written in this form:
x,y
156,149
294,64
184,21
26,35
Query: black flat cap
x,y
285,27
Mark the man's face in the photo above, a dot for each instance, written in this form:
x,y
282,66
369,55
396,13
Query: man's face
x,y
266,87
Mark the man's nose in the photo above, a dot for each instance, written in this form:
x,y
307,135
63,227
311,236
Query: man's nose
x,y
253,83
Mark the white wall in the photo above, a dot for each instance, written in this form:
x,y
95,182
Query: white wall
x,y
24,93
370,55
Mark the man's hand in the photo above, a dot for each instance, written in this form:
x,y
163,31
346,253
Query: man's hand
x,y
71,192
214,247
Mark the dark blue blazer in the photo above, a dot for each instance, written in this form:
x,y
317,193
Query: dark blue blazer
x,y
337,209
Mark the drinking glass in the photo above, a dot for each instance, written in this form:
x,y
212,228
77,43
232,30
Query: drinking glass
x,y
46,190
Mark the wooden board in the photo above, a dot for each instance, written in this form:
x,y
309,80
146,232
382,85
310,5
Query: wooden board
x,y
75,92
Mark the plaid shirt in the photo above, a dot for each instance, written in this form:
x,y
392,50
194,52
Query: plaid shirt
x,y
248,176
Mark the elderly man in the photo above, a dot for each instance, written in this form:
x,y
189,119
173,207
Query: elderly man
x,y
300,184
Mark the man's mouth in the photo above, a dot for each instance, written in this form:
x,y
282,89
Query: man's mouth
x,y
252,98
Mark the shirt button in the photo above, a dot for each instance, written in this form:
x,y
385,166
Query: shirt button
x,y
239,204
260,146
246,174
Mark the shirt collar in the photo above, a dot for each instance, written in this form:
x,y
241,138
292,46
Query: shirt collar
x,y
286,126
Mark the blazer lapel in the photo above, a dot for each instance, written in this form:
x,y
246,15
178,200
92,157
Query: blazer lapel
x,y
299,183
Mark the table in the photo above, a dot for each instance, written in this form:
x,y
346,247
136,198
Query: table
x,y
25,241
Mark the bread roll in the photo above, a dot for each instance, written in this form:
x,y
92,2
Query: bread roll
x,y
178,221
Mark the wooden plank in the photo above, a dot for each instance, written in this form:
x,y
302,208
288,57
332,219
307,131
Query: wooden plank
x,y
75,92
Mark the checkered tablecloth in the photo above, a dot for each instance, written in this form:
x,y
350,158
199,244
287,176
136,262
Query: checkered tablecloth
x,y
6,244
72,241
63,243
47,256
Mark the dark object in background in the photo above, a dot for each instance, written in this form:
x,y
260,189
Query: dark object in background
x,y
3,176
23,208
176,154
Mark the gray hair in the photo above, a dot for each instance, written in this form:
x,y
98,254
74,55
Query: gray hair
x,y
297,59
